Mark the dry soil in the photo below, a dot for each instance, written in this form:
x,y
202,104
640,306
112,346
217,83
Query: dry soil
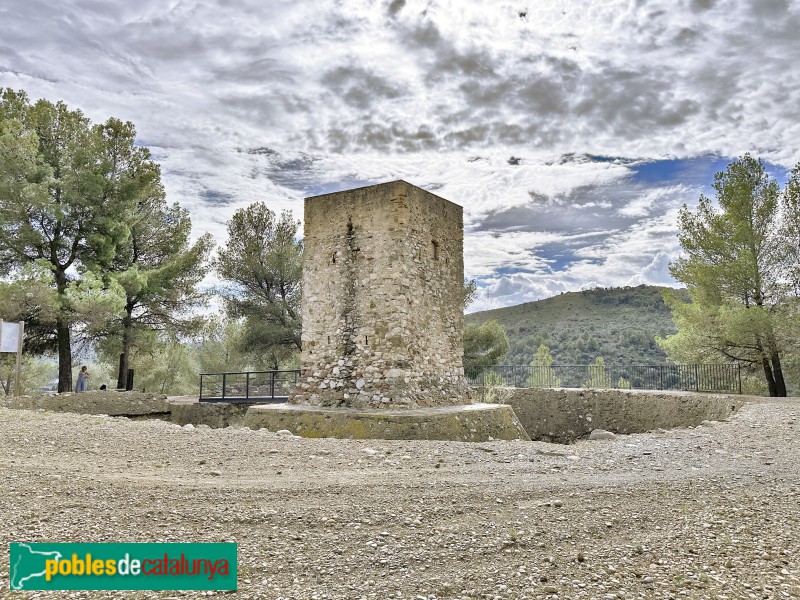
x,y
710,512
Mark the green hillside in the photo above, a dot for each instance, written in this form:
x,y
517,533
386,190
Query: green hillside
x,y
619,324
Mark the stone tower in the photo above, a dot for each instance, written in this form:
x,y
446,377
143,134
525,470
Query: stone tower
x,y
383,312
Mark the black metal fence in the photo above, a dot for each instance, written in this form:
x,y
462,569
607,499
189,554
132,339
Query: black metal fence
x,y
701,378
247,386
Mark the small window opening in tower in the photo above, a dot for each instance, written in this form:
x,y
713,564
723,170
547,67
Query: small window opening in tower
x,y
333,258
366,340
435,249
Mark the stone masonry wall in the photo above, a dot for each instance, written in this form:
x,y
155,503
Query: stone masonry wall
x,y
564,415
382,300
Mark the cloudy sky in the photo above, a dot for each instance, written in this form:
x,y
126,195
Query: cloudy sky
x,y
571,132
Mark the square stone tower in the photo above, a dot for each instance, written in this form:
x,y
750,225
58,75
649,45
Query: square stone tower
x,y
383,311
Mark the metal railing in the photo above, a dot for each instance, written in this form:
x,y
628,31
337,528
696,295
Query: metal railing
x,y
700,378
247,386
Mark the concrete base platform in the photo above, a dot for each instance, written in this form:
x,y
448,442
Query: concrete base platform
x,y
467,423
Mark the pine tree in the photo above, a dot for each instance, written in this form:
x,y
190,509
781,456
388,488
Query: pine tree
x,y
739,265
262,264
542,374
54,211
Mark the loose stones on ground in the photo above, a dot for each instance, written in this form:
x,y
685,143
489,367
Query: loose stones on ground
x,y
715,521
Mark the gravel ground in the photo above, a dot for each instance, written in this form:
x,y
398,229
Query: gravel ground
x,y
710,512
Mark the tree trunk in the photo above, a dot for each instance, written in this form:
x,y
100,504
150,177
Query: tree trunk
x,y
773,390
120,369
122,376
124,358
64,356
63,334
777,373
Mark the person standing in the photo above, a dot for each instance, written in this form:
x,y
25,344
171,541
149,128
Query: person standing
x,y
83,380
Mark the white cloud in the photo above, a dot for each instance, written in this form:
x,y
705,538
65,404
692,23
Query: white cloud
x,y
516,289
442,93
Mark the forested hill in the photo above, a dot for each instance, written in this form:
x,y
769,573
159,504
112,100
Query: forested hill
x,y
619,324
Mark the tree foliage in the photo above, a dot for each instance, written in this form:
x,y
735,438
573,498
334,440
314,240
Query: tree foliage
x,y
30,297
740,266
222,347
542,373
50,194
470,291
68,192
35,374
156,266
484,345
597,378
262,264
164,363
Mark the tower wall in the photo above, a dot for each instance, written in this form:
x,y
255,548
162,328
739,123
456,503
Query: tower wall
x,y
383,310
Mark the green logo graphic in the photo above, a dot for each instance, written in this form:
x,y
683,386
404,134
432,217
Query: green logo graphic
x,y
90,566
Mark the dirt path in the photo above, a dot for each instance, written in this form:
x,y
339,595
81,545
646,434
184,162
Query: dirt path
x,y
710,512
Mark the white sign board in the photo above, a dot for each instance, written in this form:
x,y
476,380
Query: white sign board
x,y
9,337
